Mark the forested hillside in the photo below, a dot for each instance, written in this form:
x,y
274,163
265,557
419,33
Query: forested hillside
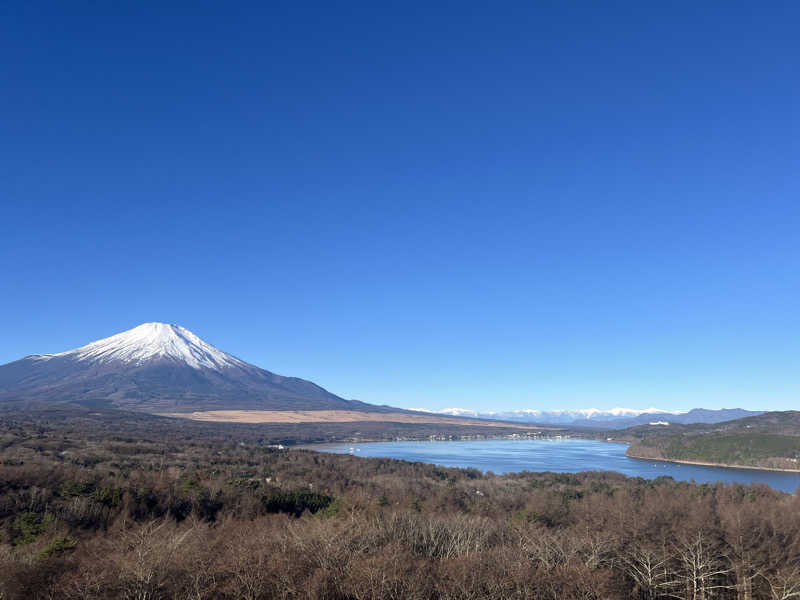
x,y
770,440
147,508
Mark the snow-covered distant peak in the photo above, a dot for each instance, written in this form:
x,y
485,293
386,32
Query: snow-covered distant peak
x,y
556,415
455,412
459,412
153,341
590,413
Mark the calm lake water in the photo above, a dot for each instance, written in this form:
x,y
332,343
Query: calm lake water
x,y
561,456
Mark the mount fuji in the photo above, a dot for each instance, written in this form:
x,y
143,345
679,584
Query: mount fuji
x,y
158,367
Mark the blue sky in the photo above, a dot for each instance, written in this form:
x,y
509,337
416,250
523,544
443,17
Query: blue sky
x,y
492,206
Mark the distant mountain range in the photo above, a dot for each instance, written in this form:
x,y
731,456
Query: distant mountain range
x,y
157,367
614,418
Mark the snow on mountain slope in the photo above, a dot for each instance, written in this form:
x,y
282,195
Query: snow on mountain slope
x,y
574,414
152,341
595,413
459,412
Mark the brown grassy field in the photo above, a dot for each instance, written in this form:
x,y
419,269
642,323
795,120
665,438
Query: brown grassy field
x,y
336,416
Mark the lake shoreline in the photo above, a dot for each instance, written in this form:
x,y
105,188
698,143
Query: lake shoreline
x,y
567,455
711,464
316,445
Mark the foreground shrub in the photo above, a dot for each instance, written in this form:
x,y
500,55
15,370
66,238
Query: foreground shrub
x,y
295,502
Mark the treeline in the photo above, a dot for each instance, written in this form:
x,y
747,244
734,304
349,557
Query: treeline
x,y
89,513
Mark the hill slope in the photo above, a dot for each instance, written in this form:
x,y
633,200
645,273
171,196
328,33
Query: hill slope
x,y
770,440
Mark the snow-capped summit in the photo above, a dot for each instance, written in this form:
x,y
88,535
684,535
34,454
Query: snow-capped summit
x,y
153,341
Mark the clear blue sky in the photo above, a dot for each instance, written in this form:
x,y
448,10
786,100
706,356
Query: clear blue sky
x,y
486,205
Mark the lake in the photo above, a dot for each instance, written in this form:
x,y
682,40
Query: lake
x,y
558,455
